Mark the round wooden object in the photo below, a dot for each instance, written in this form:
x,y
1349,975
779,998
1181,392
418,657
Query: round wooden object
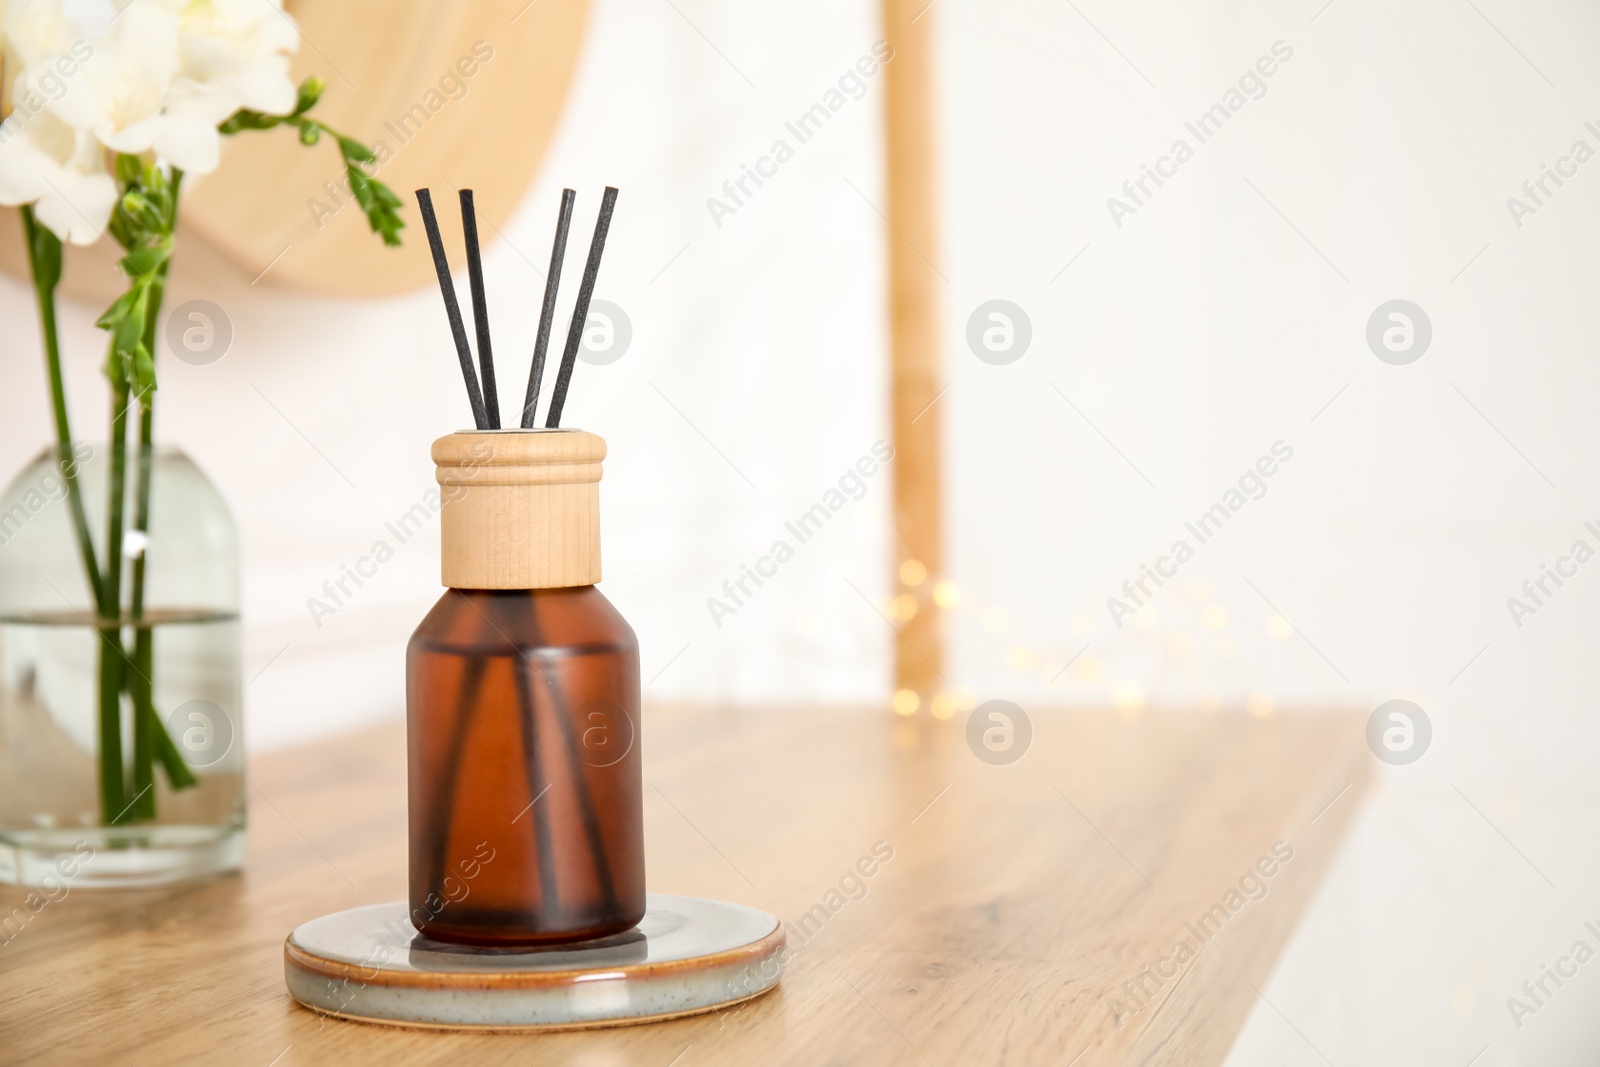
x,y
687,956
398,79
520,508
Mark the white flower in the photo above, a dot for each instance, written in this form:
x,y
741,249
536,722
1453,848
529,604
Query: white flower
x,y
120,93
62,172
30,31
239,49
232,54
173,69
33,30
169,72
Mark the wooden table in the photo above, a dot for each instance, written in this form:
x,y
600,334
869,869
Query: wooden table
x,y
1029,913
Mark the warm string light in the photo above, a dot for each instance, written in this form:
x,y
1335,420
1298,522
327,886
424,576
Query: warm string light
x,y
918,594
1205,640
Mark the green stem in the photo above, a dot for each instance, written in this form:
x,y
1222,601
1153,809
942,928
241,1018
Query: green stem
x,y
144,716
113,791
112,787
150,738
142,686
179,776
66,457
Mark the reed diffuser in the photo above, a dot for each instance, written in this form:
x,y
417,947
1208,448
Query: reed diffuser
x,y
522,683
527,896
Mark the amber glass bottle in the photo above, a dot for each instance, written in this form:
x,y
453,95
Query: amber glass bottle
x,y
523,706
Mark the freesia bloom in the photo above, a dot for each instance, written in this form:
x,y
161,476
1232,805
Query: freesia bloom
x,y
120,95
232,54
168,73
62,173
238,49
30,31
43,161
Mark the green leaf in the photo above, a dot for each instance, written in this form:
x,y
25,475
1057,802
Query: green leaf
x,y
153,178
119,310
146,212
377,200
128,168
143,375
250,120
381,206
354,151
310,92
128,334
144,262
125,320
141,211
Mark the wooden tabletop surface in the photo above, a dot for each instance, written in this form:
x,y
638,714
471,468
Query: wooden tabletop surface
x,y
1030,913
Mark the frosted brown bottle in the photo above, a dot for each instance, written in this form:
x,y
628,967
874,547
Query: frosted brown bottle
x,y
522,706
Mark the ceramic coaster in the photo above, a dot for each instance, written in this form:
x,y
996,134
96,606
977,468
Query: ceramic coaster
x,y
688,955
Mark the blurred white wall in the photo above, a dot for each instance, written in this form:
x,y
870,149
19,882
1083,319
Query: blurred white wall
x,y
755,377
1227,313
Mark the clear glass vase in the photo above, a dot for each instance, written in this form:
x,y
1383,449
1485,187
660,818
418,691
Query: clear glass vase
x,y
121,739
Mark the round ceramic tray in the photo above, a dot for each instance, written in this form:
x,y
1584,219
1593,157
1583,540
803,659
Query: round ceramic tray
x,y
687,956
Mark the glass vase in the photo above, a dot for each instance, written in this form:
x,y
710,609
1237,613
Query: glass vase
x,y
121,739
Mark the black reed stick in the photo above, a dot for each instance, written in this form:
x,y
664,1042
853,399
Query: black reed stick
x,y
552,281
447,289
586,806
539,823
580,314
480,308
449,782
524,662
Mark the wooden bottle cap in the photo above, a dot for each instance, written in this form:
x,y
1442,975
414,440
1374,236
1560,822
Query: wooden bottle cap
x,y
520,508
